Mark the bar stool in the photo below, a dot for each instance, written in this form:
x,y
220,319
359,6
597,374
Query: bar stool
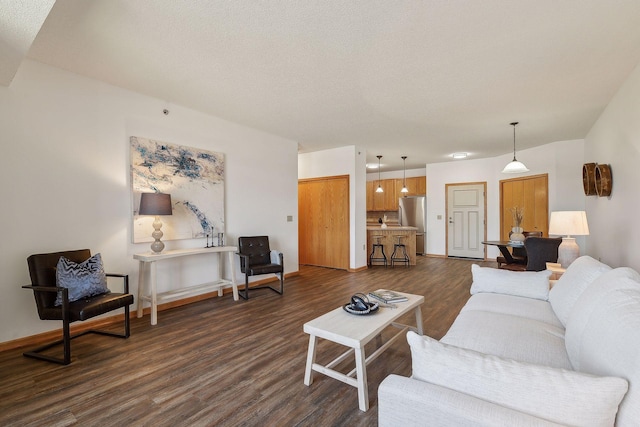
x,y
400,258
377,244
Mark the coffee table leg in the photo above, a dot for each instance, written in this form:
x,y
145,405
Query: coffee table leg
x,y
361,376
311,358
419,320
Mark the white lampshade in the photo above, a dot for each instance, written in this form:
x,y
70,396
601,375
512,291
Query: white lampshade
x,y
568,223
515,167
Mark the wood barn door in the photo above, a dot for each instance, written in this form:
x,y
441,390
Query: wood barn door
x,y
323,222
530,193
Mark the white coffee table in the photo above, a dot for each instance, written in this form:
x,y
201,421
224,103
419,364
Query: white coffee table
x,y
355,331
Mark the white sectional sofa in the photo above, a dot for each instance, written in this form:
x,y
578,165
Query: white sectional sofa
x,y
521,355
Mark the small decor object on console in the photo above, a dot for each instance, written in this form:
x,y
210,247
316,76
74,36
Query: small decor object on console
x,y
360,305
387,296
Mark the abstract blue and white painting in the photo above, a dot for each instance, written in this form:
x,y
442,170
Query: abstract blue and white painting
x,y
195,180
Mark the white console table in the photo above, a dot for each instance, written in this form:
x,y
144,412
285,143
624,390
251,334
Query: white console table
x,y
153,296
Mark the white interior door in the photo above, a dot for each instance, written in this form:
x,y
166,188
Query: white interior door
x,y
466,220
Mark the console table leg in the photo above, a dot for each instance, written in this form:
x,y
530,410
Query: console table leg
x,y
154,293
220,262
139,310
234,283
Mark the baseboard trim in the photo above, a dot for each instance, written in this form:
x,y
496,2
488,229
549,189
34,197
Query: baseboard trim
x,y
78,327
435,256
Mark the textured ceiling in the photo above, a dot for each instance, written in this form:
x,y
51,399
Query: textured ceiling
x,y
417,78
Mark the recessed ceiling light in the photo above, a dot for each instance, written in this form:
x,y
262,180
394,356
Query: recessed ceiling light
x,y
459,155
372,166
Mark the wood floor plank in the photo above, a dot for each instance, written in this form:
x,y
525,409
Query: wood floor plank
x,y
221,362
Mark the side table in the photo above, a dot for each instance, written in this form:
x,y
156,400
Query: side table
x,y
556,272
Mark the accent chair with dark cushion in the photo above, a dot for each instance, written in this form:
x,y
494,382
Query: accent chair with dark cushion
x,y
96,301
256,258
540,251
519,254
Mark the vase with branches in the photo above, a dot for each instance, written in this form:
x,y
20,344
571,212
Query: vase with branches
x,y
517,213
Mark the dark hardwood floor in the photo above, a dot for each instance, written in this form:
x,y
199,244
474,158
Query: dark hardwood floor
x,y
221,362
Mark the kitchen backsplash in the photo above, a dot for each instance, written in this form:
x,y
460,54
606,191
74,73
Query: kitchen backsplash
x,y
374,216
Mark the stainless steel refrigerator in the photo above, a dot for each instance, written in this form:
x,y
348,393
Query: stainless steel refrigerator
x,y
412,213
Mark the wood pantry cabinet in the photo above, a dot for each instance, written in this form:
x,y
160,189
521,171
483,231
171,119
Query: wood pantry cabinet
x,y
323,227
530,193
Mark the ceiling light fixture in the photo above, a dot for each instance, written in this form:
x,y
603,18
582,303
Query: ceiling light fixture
x,y
404,177
514,166
379,189
459,155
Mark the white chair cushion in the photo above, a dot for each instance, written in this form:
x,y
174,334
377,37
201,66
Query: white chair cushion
x,y
556,395
530,284
603,335
580,274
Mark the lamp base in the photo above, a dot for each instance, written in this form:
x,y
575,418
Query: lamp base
x,y
157,246
568,251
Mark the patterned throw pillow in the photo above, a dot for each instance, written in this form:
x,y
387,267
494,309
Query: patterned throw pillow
x,y
83,280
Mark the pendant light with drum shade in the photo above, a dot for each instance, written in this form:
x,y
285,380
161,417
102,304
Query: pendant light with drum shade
x,y
404,176
514,166
379,189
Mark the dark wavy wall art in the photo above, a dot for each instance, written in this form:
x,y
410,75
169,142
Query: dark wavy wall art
x,y
195,180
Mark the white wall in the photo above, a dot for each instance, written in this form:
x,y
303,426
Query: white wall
x,y
64,171
615,139
562,161
351,161
410,173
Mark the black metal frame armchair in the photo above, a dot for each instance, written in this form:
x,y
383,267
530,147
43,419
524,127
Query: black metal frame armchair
x,y
42,269
257,258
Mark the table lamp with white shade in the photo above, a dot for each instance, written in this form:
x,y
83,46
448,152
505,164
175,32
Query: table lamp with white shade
x,y
568,223
155,204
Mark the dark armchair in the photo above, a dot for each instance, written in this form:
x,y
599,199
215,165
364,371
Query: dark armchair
x,y
519,254
540,251
257,258
42,269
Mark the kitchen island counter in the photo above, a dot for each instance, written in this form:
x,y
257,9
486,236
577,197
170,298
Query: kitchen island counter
x,y
389,238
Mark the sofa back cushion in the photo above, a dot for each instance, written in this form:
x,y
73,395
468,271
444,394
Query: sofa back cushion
x,y
603,335
528,284
580,274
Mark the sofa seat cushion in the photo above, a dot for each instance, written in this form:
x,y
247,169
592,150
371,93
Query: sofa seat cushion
x,y
566,291
513,337
557,395
528,308
603,335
